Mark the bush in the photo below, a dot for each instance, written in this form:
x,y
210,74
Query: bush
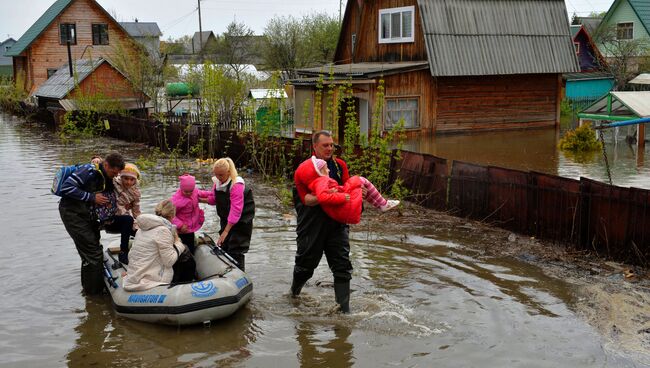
x,y
582,139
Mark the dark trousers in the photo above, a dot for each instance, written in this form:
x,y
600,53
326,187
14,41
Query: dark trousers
x,y
124,226
188,239
318,234
84,232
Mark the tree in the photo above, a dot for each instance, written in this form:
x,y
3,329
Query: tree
x,y
235,47
145,73
291,43
623,55
322,34
283,36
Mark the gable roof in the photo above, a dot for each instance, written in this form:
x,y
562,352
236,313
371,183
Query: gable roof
x,y
589,23
204,36
8,40
44,21
494,37
60,84
641,9
142,29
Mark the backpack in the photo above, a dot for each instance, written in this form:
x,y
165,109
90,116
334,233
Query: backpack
x,y
106,212
61,175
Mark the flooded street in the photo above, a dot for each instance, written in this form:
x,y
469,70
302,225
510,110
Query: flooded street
x,y
536,150
420,297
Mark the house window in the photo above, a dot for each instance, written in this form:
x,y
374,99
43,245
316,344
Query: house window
x,y
402,108
624,31
396,25
7,48
67,32
50,72
576,45
100,34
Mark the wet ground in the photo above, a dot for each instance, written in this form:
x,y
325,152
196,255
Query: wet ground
x,y
428,289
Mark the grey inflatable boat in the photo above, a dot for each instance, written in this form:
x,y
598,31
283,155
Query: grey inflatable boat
x,y
220,291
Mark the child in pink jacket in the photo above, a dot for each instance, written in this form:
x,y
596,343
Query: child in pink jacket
x,y
189,217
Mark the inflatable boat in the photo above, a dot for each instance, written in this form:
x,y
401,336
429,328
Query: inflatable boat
x,y
221,289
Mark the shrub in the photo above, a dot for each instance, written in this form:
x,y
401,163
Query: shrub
x,y
582,139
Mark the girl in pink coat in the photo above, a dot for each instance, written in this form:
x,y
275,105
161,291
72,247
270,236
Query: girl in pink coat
x,y
189,217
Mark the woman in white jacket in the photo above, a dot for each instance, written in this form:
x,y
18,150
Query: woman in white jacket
x,y
155,250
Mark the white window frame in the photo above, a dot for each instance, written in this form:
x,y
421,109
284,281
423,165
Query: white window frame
x,y
576,46
390,12
618,25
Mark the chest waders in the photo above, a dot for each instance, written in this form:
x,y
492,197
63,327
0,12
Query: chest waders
x,y
317,233
238,240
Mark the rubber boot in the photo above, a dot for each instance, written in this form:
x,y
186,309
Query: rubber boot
x,y
123,257
92,279
241,260
342,295
297,284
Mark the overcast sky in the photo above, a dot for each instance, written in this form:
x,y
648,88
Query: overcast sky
x,y
179,17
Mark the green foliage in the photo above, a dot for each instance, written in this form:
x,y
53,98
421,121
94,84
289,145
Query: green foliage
x,y
291,43
150,161
11,94
582,139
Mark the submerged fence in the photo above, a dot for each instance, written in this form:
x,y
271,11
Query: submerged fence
x,y
583,214
586,214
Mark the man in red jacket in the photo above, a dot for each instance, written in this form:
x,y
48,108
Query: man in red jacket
x,y
317,233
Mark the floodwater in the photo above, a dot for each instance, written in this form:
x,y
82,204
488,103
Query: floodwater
x,y
536,150
419,298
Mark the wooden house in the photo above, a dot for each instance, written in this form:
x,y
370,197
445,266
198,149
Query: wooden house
x,y
6,62
147,34
204,43
446,66
95,79
629,19
41,51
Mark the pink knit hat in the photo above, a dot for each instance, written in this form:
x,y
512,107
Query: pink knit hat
x,y
187,182
318,164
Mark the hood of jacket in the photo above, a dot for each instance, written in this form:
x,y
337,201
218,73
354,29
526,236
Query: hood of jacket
x,y
147,221
307,172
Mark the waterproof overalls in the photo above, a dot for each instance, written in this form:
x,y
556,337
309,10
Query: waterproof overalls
x,y
317,233
80,222
239,237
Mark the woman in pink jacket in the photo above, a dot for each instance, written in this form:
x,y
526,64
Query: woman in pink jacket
x,y
189,217
235,207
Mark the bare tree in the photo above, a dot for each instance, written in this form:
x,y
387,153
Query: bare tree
x,y
623,55
236,47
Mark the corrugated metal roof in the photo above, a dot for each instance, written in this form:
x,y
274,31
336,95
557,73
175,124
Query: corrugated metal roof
x,y
643,78
587,76
638,102
497,37
623,104
363,70
38,27
61,83
142,29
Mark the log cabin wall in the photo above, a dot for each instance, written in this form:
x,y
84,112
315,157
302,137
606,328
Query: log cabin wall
x,y
363,20
107,82
418,84
46,52
496,102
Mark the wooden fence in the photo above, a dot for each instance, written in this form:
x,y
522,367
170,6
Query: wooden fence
x,y
583,214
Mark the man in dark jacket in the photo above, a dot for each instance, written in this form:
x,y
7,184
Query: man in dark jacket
x,y
82,190
317,233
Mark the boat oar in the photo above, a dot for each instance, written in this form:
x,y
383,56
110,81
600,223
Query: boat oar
x,y
219,250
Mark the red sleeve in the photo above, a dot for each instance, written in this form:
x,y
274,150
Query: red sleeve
x,y
321,189
345,173
300,187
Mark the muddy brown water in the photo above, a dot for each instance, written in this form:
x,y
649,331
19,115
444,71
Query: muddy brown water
x,y
420,298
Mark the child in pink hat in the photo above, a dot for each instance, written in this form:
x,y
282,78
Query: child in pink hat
x,y
189,217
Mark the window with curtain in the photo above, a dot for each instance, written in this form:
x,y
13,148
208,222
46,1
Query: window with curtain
x,y
396,25
68,31
624,31
402,108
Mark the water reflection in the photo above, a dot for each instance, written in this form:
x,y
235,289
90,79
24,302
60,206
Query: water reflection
x,y
536,150
324,346
106,340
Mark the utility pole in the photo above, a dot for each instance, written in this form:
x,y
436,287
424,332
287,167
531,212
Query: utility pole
x,y
200,29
